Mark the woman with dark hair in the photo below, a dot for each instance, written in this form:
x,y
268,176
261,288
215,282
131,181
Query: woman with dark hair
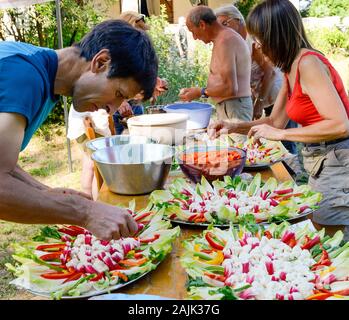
x,y
313,95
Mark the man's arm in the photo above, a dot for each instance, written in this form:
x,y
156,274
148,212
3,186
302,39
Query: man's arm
x,y
23,201
21,175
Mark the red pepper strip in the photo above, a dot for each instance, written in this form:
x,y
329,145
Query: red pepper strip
x,y
215,276
207,251
138,255
324,261
71,232
283,198
324,258
51,247
192,217
76,228
156,236
344,292
98,277
58,275
51,256
320,266
292,242
268,234
282,192
75,276
319,296
214,241
173,216
200,219
142,216
310,243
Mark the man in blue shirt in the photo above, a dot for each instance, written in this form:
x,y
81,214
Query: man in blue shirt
x,y
112,63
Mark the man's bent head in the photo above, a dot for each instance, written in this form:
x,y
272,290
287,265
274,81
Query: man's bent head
x,y
199,21
122,64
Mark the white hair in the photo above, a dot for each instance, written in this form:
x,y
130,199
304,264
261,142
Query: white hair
x,y
230,11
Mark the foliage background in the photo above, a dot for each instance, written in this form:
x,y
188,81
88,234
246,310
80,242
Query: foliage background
x,y
37,25
324,8
179,72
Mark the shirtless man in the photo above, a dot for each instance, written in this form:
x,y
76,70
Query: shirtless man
x,y
229,79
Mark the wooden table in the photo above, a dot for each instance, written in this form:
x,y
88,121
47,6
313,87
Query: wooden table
x,y
169,279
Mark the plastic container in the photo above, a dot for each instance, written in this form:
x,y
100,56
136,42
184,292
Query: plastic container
x,y
165,128
199,113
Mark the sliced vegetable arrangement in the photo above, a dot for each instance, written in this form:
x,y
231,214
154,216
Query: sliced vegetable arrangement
x,y
267,264
234,200
265,153
71,262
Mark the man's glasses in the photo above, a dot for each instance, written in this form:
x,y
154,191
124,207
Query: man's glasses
x,y
226,22
142,18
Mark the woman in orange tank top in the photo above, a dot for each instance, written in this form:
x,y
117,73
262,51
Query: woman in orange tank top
x,y
313,95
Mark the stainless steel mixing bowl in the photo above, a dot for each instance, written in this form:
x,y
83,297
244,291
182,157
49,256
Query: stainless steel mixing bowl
x,y
106,142
134,169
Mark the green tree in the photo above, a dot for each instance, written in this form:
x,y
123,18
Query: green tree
x,y
325,8
179,72
37,25
245,6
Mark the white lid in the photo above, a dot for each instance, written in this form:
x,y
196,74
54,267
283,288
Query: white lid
x,y
157,119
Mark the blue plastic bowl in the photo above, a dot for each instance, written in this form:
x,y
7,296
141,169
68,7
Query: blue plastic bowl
x,y
199,113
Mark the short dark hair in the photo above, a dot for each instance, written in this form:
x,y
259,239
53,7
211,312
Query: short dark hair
x,y
278,26
131,51
203,13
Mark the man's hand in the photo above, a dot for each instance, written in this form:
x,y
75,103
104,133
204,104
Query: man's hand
x,y
267,132
70,192
217,128
189,94
108,222
125,109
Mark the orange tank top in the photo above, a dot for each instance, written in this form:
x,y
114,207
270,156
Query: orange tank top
x,y
299,106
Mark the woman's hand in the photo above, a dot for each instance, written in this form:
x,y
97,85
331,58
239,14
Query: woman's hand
x,y
267,132
217,128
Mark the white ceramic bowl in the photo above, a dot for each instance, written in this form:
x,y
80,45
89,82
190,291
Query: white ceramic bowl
x,y
165,128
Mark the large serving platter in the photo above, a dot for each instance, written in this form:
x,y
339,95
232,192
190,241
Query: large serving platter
x,y
234,200
277,262
68,262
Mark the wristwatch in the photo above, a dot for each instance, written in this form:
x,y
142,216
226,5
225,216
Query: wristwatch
x,y
203,93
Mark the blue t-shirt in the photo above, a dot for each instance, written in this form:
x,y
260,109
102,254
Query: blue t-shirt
x,y
27,76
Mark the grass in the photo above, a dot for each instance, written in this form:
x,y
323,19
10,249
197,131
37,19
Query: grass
x,y
45,158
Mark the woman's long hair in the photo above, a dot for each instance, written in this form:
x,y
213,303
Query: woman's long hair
x,y
278,27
